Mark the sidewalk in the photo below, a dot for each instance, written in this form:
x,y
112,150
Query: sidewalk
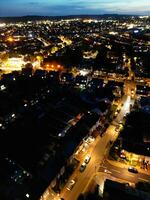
x,y
122,165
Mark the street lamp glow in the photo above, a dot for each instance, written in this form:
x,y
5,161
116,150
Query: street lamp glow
x,y
127,104
27,195
13,115
84,72
2,25
10,39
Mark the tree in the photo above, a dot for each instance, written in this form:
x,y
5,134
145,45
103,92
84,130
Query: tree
x,y
72,56
101,58
133,64
144,186
81,197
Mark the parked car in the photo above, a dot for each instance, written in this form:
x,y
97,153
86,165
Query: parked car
x,y
71,184
87,159
132,169
89,139
82,167
85,147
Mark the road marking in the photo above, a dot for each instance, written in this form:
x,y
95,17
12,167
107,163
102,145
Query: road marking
x,y
116,171
142,179
130,175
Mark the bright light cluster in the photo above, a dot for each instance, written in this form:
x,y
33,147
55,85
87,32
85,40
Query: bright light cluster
x,y
13,64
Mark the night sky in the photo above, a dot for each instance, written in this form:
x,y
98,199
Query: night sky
x,y
71,7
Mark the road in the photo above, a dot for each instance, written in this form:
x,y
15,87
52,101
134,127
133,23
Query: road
x,y
97,155
99,152
123,173
126,101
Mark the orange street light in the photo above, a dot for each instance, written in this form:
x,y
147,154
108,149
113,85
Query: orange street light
x,y
10,39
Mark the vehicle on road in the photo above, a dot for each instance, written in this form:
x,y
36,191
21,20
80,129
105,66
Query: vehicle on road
x,y
71,184
132,169
85,147
87,159
82,167
89,139
123,156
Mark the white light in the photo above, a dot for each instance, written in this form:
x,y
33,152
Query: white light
x,y
27,195
2,87
30,35
113,33
2,25
136,31
13,115
127,104
84,72
13,64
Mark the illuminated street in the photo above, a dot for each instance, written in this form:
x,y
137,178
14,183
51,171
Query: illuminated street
x,y
100,149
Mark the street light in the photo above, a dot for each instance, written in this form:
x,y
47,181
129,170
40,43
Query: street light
x,y
27,195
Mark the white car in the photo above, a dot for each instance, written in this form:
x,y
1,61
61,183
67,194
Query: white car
x,y
89,139
87,159
82,167
71,184
85,147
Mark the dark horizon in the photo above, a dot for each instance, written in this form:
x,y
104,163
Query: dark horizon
x,y
73,15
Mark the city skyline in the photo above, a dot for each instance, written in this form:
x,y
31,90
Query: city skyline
x,y
73,7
